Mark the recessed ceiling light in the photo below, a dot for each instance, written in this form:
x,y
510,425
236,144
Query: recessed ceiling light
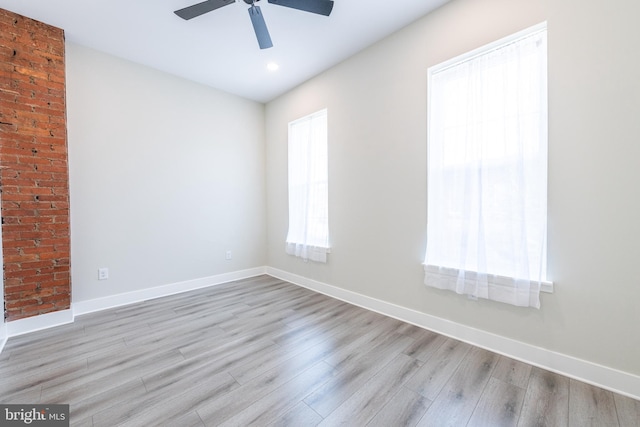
x,y
272,66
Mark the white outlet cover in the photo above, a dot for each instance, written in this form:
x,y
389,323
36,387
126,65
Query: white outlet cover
x,y
103,273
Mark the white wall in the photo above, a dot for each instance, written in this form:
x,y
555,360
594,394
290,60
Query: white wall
x,y
377,173
165,176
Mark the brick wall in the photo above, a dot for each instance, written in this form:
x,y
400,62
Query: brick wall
x,y
33,168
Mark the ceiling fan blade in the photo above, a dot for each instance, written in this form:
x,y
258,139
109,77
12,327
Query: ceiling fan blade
x,y
321,7
260,27
201,8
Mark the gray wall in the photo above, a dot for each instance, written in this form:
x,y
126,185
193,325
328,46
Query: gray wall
x,y
165,176
376,103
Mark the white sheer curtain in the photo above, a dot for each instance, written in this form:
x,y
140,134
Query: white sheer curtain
x,y
308,235
487,173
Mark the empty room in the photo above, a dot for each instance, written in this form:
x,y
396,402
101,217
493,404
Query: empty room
x,y
317,212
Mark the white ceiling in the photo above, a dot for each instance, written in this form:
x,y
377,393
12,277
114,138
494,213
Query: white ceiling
x,y
219,49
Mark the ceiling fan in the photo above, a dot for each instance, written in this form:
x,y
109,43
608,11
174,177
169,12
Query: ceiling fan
x,y
320,7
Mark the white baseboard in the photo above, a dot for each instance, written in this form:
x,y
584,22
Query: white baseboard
x,y
3,335
58,318
582,370
111,301
37,323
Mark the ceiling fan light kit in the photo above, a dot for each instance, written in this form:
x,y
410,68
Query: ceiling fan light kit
x,y
320,7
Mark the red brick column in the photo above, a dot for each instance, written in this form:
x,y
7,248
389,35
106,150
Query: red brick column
x,y
34,177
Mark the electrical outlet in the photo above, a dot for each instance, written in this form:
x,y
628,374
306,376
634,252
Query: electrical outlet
x,y
227,255
103,273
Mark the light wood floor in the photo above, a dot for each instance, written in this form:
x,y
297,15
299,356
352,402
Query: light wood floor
x,y
265,352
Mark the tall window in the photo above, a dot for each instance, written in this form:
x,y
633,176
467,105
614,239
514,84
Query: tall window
x,y
308,235
487,171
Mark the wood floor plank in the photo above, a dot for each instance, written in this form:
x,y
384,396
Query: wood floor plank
x,y
133,358
591,406
262,362
459,397
62,360
197,348
242,325
311,333
151,407
4,356
365,403
437,371
279,402
24,394
86,422
350,348
118,326
425,345
406,408
177,336
546,401
335,331
75,345
628,411
299,415
354,375
499,405
192,419
23,345
225,407
105,376
41,376
195,370
338,336
412,331
319,309
219,410
284,300
87,407
206,318
513,372
169,411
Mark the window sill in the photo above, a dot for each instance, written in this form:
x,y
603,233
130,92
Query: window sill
x,y
545,286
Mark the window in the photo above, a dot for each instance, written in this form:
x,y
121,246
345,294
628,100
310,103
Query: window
x,y
308,235
487,171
